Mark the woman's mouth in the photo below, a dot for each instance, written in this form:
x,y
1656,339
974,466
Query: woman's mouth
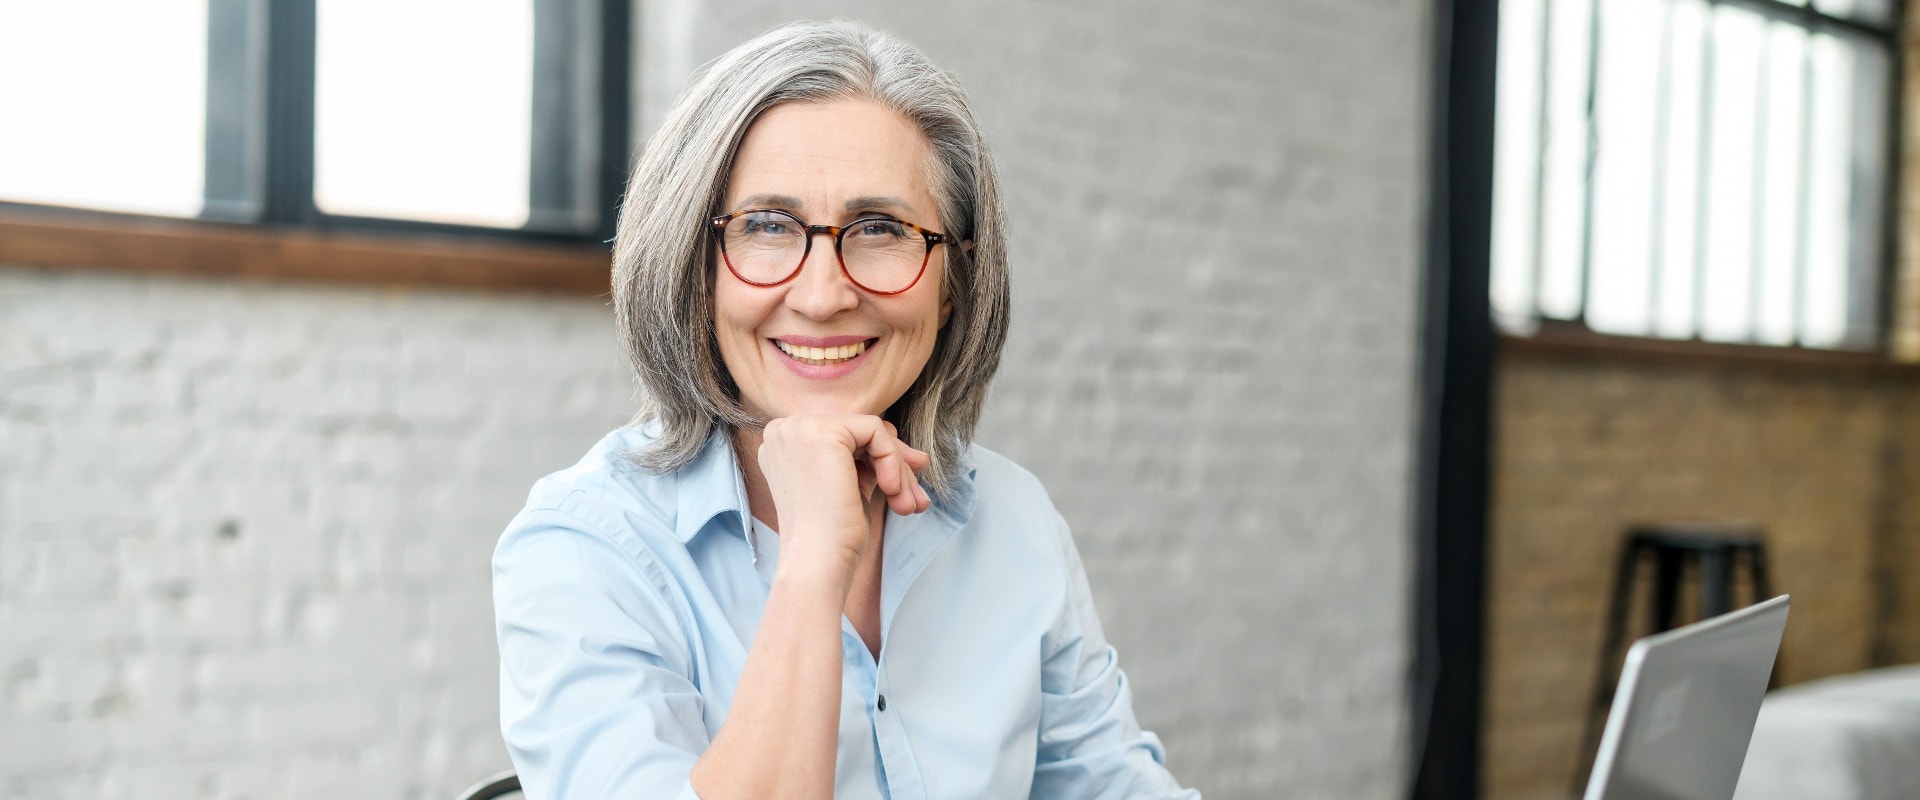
x,y
822,356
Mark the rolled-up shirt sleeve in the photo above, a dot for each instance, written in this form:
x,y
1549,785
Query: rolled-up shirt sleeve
x,y
1091,746
596,699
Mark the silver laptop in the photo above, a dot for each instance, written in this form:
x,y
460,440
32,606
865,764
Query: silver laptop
x,y
1685,708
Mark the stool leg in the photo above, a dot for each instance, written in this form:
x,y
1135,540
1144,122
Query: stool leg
x,y
1666,590
1604,679
1716,589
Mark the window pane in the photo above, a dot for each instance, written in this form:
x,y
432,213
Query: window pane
x,y
1680,206
1870,173
1619,278
1738,58
1729,184
1780,166
1846,193
1872,12
1516,155
423,109
1564,159
106,134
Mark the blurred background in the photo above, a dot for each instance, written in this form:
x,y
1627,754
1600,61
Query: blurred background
x,y
1352,339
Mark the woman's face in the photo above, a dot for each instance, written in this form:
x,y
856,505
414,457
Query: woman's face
x,y
829,164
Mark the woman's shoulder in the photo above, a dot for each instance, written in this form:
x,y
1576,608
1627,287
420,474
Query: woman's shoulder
x,y
606,493
1002,486
610,469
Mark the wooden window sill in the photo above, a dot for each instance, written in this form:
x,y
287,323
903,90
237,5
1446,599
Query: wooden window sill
x,y
61,239
1566,341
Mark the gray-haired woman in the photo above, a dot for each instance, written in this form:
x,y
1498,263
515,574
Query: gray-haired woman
x,y
794,576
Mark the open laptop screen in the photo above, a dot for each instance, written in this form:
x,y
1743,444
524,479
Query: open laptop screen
x,y
1683,714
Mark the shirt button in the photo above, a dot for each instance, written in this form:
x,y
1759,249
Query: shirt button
x,y
883,702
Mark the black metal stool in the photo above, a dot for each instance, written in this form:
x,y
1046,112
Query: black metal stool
x,y
1714,550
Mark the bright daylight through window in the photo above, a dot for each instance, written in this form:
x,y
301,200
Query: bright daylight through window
x,y
1689,169
438,114
117,96
423,110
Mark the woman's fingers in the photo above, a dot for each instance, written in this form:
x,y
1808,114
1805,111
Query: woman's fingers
x,y
798,452
897,464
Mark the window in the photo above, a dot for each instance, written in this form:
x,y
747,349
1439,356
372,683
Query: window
x,y
1690,169
500,116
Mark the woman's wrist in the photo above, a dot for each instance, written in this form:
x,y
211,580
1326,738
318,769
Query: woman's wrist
x,y
816,566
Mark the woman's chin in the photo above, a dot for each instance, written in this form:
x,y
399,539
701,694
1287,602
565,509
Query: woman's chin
x,y
825,406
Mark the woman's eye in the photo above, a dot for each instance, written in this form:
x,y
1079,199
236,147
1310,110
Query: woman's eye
x,y
769,227
881,228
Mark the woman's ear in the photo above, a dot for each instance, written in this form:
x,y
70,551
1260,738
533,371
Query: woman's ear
x,y
967,245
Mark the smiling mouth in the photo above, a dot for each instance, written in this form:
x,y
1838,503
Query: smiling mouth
x,y
823,356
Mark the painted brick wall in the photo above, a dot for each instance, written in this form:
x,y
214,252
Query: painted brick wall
x,y
1584,447
244,529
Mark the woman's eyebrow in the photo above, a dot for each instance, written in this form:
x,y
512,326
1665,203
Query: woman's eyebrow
x,y
773,201
863,203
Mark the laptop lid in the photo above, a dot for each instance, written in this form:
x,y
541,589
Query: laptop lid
x,y
1684,711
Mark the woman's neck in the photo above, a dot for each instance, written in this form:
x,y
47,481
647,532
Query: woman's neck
x,y
746,450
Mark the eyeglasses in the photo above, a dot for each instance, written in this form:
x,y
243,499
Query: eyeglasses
x,y
766,247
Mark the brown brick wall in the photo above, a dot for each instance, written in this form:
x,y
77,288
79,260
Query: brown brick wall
x,y
1585,446
1900,571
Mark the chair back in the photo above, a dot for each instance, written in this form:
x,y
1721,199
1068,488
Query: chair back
x,y
505,784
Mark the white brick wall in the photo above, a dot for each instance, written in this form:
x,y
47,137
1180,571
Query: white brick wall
x,y
244,529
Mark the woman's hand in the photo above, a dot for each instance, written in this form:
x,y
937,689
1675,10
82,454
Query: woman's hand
x,y
823,471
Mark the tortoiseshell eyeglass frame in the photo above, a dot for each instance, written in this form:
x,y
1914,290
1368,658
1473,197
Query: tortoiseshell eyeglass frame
x,y
934,239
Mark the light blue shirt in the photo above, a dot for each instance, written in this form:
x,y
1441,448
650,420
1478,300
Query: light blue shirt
x,y
626,603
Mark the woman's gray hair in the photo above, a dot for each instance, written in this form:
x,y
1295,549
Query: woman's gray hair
x,y
663,257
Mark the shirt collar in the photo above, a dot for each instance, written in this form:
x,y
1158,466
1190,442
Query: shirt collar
x,y
709,486
956,501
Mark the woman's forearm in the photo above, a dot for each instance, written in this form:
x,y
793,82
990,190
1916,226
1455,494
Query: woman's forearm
x,y
814,476
782,732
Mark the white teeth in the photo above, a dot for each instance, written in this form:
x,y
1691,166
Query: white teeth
x,y
821,355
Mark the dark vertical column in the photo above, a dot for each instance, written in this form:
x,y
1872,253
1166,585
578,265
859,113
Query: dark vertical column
x,y
555,179
1716,581
1890,212
616,97
1456,401
290,71
234,152
1663,612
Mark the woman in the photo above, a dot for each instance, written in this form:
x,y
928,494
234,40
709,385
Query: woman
x,y
794,577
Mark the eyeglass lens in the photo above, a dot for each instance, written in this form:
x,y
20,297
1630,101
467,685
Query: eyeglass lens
x,y
881,255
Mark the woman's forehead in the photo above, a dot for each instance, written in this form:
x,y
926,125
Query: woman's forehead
x,y
834,157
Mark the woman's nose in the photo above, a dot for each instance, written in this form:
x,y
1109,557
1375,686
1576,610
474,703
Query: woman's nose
x,y
822,289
